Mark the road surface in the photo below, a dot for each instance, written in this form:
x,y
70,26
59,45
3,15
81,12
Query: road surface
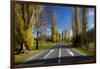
x,y
58,54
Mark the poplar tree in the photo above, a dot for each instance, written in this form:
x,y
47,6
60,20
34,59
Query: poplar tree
x,y
25,18
84,26
76,26
54,29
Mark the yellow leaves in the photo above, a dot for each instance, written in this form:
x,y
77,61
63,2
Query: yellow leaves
x,y
26,16
18,8
28,38
22,33
54,30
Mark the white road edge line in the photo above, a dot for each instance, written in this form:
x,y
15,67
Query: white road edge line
x,y
48,53
80,52
72,54
33,57
59,55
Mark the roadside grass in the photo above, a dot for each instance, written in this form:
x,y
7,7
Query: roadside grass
x,y
21,57
89,51
45,45
91,45
42,46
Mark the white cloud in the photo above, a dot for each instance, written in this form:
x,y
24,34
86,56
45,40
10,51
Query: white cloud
x,y
48,29
49,33
60,31
90,27
71,33
91,13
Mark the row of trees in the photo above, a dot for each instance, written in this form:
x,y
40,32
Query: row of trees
x,y
30,17
79,26
26,16
63,35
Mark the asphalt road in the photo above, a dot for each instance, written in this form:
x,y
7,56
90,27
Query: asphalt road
x,y
58,54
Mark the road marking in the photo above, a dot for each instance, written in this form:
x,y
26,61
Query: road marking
x,y
48,53
59,55
79,52
33,57
70,52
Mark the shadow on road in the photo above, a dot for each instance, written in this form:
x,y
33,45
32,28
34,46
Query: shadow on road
x,y
65,60
55,60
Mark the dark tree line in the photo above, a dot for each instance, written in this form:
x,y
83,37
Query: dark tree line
x,y
79,26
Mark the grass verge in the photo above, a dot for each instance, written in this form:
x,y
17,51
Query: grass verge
x,y
21,57
89,51
42,46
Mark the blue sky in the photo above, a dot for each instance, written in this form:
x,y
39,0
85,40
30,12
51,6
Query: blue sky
x,y
91,18
64,17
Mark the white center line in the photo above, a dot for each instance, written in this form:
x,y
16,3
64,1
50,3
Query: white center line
x,y
59,55
48,53
70,52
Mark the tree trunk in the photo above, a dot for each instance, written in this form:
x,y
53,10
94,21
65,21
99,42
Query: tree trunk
x,y
37,46
21,48
84,26
76,26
